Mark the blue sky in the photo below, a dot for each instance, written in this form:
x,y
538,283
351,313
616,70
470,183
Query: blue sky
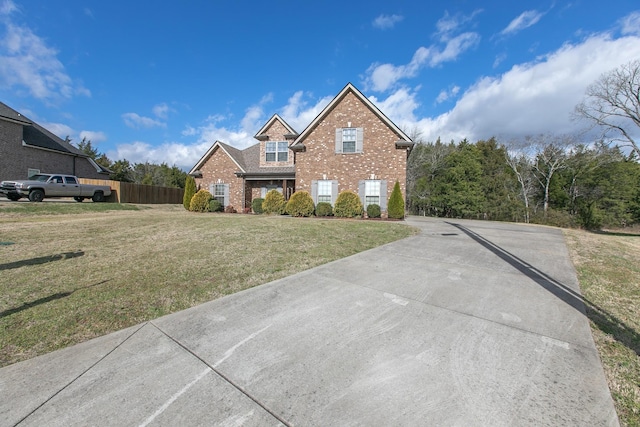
x,y
161,81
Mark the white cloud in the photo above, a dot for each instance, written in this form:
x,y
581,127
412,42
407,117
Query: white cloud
x,y
524,20
446,94
161,111
298,113
382,77
26,62
385,22
533,97
631,24
174,154
93,136
136,121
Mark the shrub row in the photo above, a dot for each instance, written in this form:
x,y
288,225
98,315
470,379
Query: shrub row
x,y
348,204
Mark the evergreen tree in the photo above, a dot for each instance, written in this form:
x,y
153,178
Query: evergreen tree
x,y
189,191
396,203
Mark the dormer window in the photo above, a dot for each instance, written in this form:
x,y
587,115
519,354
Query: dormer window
x,y
277,151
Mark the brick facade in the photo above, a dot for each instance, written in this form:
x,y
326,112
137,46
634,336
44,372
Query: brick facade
x,y
379,157
16,159
312,154
220,169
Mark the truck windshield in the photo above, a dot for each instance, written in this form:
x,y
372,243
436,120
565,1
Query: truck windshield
x,y
41,178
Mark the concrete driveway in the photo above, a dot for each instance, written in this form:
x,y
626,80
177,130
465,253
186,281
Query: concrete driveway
x,y
467,323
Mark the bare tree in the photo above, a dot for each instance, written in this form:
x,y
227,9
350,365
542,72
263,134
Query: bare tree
x,y
516,156
613,104
551,157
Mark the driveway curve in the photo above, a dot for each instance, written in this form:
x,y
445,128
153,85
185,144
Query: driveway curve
x,y
466,323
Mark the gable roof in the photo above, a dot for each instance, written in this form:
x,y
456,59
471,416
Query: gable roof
x,y
233,153
350,88
260,134
9,114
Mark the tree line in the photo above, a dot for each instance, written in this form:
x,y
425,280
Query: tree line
x,y
545,179
146,173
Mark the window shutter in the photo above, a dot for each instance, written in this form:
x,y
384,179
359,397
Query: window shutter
x,y
383,195
334,192
359,139
339,140
314,191
361,191
212,188
226,195
263,192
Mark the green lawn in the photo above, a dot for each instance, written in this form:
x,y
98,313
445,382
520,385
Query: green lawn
x,y
70,272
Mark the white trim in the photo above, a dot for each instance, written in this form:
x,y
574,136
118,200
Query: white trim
x,y
209,153
349,88
270,122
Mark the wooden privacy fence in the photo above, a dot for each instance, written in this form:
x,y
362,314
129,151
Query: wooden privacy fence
x,y
128,192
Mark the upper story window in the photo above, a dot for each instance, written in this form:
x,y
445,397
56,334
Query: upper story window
x,y
277,151
349,140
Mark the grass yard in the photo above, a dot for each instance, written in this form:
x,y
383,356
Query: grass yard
x,y
70,272
608,269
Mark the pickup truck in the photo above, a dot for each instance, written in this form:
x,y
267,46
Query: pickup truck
x,y
53,185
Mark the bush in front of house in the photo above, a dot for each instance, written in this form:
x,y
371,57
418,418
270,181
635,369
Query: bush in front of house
x,y
215,206
274,203
200,201
189,191
373,211
324,209
396,203
300,204
348,205
256,205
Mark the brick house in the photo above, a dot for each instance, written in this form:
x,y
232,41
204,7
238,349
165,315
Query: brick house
x,y
27,148
350,145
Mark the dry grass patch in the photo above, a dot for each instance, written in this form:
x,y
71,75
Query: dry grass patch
x,y
609,274
69,277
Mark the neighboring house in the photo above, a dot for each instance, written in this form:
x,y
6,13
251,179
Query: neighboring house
x,y
27,148
350,145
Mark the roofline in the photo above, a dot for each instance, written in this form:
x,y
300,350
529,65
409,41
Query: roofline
x,y
16,121
263,175
66,153
336,100
270,122
208,154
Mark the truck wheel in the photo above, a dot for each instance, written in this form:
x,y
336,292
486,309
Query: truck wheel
x,y
36,195
98,196
78,199
13,198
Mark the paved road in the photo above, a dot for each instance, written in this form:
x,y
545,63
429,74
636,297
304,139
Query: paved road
x,y
467,323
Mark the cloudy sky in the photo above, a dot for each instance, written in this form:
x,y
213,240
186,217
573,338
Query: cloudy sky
x,y
161,81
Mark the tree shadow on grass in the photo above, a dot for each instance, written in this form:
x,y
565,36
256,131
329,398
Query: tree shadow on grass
x,y
40,301
604,320
41,260
615,233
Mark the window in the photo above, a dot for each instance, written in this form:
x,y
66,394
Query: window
x,y
218,193
70,180
371,193
277,151
56,179
349,140
324,191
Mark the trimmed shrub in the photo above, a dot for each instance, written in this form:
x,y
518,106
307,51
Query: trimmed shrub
x,y
189,191
324,209
256,205
396,203
215,206
373,211
230,209
274,203
200,201
348,205
300,204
